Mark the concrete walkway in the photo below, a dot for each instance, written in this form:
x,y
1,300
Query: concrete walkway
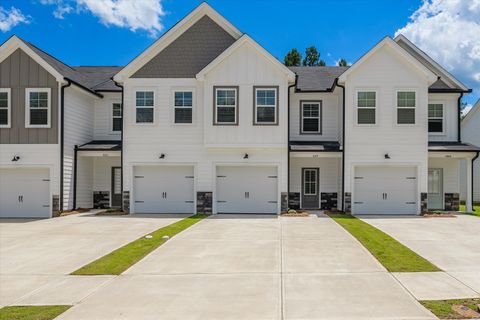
x,y
452,244
254,267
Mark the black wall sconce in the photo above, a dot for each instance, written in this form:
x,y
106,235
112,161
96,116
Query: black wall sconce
x,y
162,156
15,158
245,156
387,156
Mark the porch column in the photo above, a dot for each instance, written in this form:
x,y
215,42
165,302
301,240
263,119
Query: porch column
x,y
468,201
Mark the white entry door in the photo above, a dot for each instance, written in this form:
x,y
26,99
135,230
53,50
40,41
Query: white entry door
x,y
435,189
163,189
25,193
385,190
247,189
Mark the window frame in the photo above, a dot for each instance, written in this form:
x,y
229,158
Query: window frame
x,y
316,182
28,108
237,103
255,106
9,108
183,89
355,100
414,90
112,116
443,132
320,117
144,89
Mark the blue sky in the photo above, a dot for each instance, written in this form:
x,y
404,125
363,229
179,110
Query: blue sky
x,y
85,33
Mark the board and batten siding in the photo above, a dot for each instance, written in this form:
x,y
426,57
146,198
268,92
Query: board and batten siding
x,y
79,115
103,117
18,72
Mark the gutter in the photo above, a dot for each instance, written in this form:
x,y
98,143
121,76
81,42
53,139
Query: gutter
x,y
75,177
343,144
459,103
473,169
84,88
121,139
288,137
62,138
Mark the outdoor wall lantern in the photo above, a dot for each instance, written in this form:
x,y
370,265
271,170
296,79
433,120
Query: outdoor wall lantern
x,y
162,156
245,156
15,158
387,156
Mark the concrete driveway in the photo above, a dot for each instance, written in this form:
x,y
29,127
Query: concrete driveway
x,y
254,267
40,253
452,244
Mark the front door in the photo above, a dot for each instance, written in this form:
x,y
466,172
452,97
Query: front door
x,y
116,187
310,194
435,189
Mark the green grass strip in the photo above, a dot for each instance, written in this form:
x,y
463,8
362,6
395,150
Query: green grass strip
x,y
123,258
476,210
443,308
393,255
32,312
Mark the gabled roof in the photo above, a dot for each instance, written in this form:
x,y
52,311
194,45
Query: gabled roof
x,y
237,44
475,109
317,78
447,79
99,78
387,41
172,34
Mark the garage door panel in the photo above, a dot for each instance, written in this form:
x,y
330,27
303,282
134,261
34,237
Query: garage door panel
x,y
25,193
247,189
164,189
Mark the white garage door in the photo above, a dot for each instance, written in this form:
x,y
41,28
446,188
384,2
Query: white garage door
x,y
24,193
163,189
246,189
385,190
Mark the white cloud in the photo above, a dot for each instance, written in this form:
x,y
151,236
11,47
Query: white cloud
x,y
467,108
11,18
449,32
132,14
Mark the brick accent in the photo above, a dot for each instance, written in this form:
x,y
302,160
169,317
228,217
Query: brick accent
x,y
101,199
284,201
328,200
452,201
424,202
294,201
126,201
204,202
55,205
348,202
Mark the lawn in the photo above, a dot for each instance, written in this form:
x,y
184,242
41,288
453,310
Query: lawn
x,y
123,258
32,312
393,255
443,308
476,210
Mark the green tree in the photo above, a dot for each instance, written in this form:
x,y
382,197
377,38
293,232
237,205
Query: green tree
x,y
292,58
342,63
312,57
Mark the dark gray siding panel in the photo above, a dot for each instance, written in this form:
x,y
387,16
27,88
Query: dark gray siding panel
x,y
19,72
189,53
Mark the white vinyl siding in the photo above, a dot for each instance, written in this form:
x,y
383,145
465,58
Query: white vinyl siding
x,y
5,108
183,107
406,103
311,117
435,118
226,105
37,107
145,107
266,102
366,107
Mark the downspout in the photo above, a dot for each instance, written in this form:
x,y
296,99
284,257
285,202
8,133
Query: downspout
x,y
288,143
459,134
62,139
121,141
343,144
75,158
473,184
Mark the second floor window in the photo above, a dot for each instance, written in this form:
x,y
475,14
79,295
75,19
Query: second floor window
x,y
4,108
116,117
37,105
266,104
226,100
435,118
144,106
406,102
366,107
311,114
183,103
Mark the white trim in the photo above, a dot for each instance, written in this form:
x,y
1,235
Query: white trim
x,y
235,121
355,100
274,106
27,107
319,118
143,107
9,108
432,77
112,102
173,107
444,124
171,35
237,44
396,107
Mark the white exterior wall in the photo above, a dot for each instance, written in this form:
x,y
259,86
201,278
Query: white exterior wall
x,y
471,134
78,126
103,117
85,182
102,172
451,173
386,72
330,175
331,116
450,116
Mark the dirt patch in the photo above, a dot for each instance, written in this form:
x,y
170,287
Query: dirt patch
x,y
70,212
439,215
111,212
295,214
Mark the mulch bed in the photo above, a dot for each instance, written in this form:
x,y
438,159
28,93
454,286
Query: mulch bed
x,y
439,215
295,214
111,213
70,212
